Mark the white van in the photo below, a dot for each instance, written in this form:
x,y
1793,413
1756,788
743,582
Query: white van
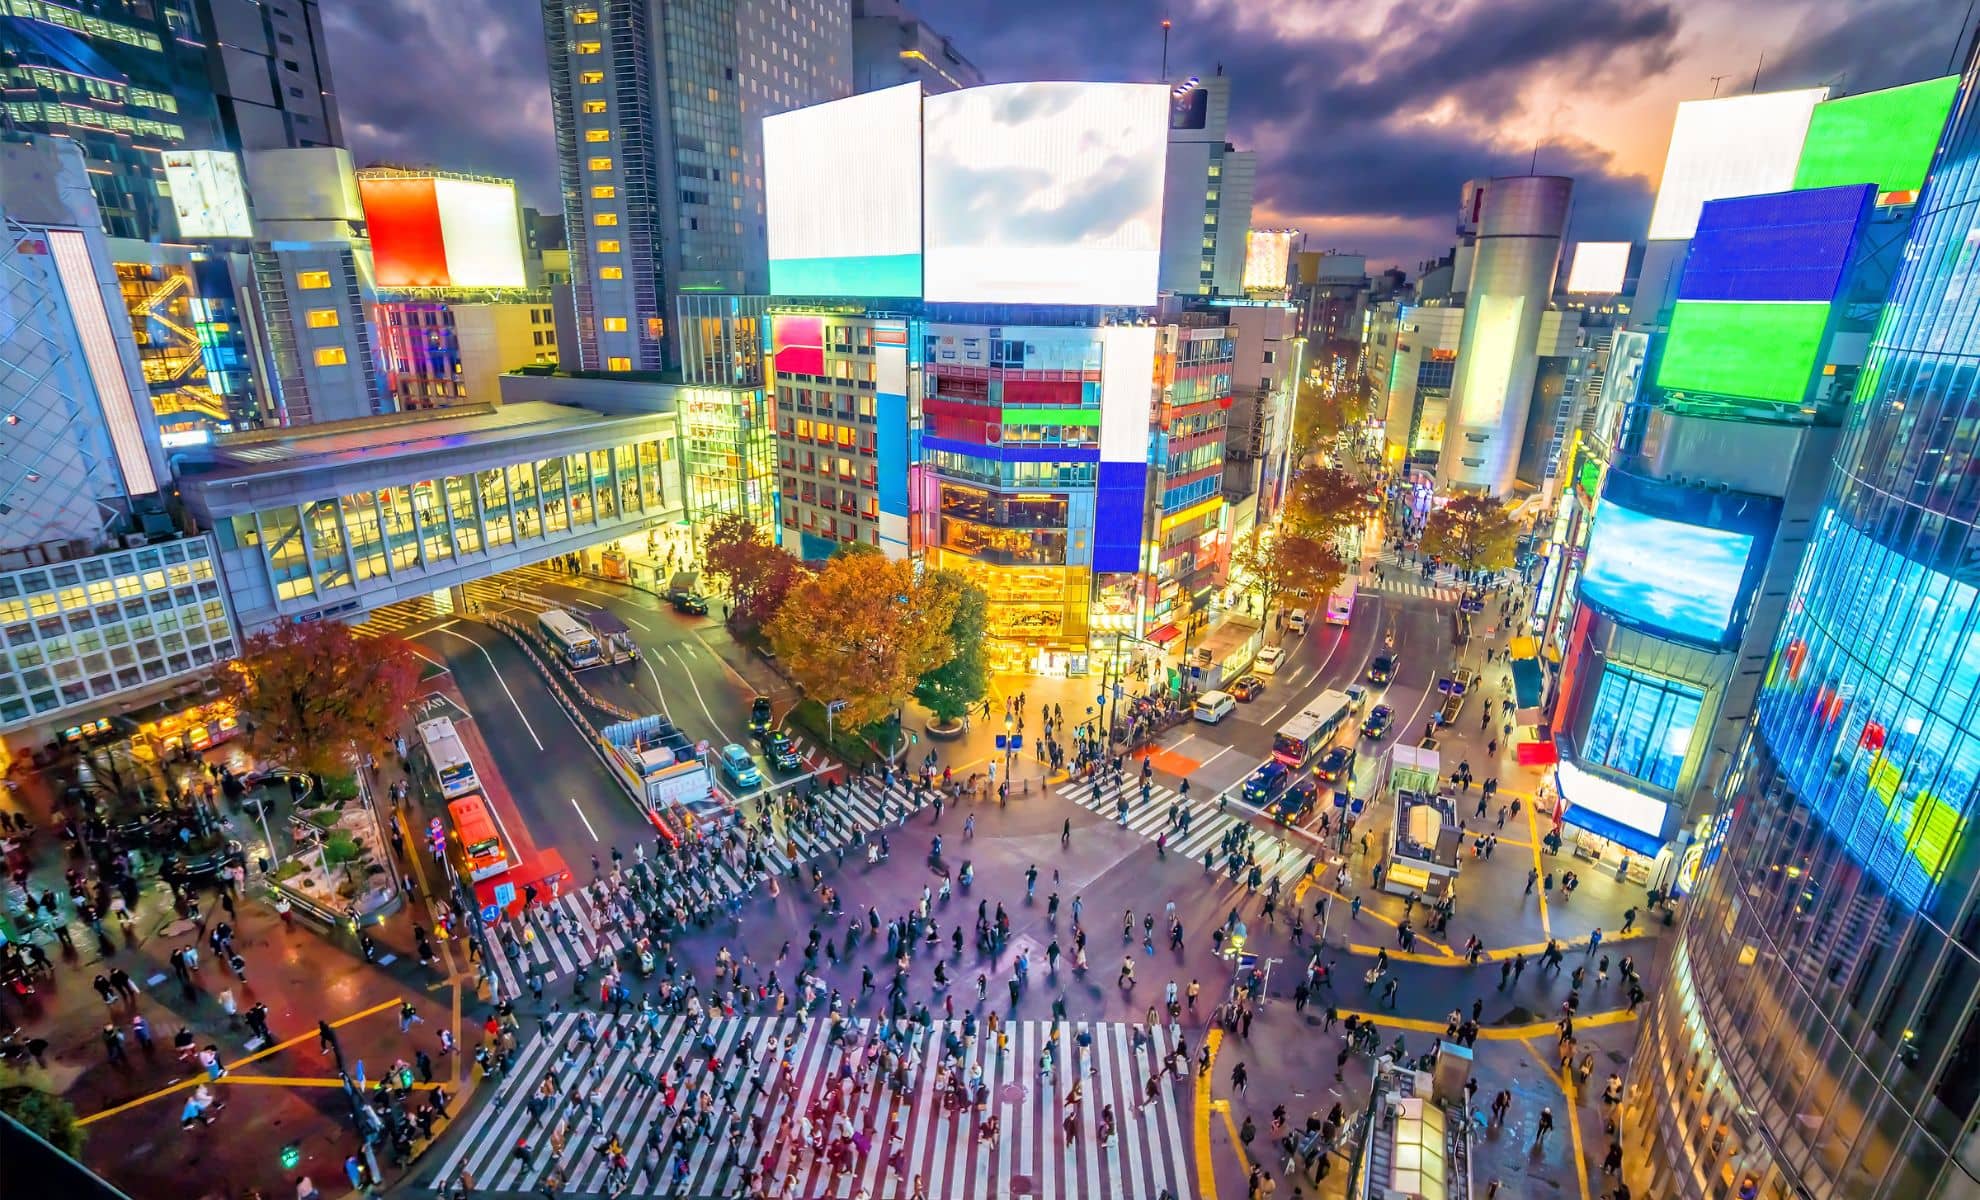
x,y
1212,707
1296,621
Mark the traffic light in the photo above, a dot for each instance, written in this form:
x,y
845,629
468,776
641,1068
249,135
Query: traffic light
x,y
291,1156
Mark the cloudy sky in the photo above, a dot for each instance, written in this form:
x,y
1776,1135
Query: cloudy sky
x,y
1366,114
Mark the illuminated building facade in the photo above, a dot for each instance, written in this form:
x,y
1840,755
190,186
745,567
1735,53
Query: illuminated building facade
x,y
455,350
1820,1022
658,106
841,387
1187,528
891,46
1207,193
188,311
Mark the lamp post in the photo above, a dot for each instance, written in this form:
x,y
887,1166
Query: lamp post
x,y
1010,748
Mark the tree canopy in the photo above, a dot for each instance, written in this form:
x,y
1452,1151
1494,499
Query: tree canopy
x,y
1327,501
757,573
42,1113
1324,411
1289,564
311,694
1472,531
950,689
862,630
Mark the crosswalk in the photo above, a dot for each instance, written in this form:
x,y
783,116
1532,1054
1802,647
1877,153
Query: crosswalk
x,y
1277,858
897,1137
570,930
1413,585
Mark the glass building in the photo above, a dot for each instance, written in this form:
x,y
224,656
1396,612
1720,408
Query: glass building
x,y
1819,1032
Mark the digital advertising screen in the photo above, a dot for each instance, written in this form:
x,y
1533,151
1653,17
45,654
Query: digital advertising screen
x,y
1266,252
1753,350
1599,268
1678,561
1044,193
842,185
1776,246
1730,146
208,194
434,231
1885,137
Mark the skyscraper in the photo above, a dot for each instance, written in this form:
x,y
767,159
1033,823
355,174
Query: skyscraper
x,y
658,106
892,46
1820,1024
1207,193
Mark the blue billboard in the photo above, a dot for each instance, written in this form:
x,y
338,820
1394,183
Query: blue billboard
x,y
1676,561
1782,246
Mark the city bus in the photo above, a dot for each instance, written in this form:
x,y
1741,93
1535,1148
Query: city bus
x,y
1301,739
481,839
572,641
449,759
1340,603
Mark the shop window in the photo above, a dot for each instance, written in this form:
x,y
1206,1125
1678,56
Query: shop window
x,y
1642,726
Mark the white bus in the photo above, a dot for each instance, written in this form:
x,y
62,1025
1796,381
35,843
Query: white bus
x,y
451,765
1301,739
572,641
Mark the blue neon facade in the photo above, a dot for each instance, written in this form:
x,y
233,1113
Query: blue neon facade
x,y
1819,1034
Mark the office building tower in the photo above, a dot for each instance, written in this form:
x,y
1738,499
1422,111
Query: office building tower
x,y
1816,1031
658,107
892,46
1266,368
1206,194
129,80
1520,224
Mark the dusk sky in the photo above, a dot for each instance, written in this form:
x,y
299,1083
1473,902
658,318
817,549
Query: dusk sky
x,y
1366,115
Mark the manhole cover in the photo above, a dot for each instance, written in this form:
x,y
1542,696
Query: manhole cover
x,y
1011,1093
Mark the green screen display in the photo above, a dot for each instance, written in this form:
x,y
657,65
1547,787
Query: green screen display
x,y
1885,138
1753,350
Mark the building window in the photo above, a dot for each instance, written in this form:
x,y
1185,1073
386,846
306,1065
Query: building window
x,y
604,191
601,163
594,106
608,246
584,16
618,364
329,356
587,47
591,77
597,135
611,273
1642,726
323,318
615,324
309,281
605,218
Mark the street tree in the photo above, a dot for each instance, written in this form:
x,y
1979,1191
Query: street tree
x,y
757,573
1327,501
1326,410
311,694
1288,564
1473,532
41,1112
862,630
952,688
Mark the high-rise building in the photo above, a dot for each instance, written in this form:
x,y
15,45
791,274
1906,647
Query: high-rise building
x,y
1206,194
658,107
1820,1017
130,79
892,46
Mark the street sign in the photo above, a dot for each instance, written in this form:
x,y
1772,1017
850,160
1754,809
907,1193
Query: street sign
x,y
1356,807
1340,800
1001,739
1017,743
490,914
1247,961
505,894
835,706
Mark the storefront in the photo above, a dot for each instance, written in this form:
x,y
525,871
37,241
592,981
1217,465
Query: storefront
x,y
196,727
1617,828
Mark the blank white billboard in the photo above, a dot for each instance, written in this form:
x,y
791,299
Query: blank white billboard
x,y
1733,146
1127,391
207,194
842,186
482,230
1045,193
1266,252
1599,268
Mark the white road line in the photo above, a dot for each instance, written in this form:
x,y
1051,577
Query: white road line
x,y
675,647
448,630
587,820
647,660
1213,758
1274,713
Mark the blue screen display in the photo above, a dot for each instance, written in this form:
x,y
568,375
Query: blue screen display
x,y
1684,580
1779,246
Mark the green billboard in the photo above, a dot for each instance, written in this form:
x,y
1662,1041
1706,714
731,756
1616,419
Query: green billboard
x,y
1750,349
1886,137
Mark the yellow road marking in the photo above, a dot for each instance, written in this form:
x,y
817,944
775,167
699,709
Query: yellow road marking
x,y
299,1081
1206,1173
1494,1033
1533,827
257,1056
1391,922
1564,1080
1237,1143
1503,953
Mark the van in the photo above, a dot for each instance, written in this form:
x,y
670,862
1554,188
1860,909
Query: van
x,y
1296,621
1212,707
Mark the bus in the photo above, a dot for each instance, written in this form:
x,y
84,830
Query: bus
x,y
481,838
572,641
1302,739
1340,603
451,765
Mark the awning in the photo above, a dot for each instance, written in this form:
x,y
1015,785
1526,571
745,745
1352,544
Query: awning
x,y
1643,843
1162,635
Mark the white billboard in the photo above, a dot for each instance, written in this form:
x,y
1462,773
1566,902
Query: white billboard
x,y
482,229
842,186
1127,391
1044,193
1266,252
207,193
1599,268
1732,146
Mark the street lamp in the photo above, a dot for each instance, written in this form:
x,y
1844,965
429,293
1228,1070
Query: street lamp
x,y
1010,748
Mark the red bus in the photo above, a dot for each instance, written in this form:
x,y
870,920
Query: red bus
x,y
482,843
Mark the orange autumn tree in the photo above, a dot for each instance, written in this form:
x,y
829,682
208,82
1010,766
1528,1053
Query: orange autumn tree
x,y
863,630
312,694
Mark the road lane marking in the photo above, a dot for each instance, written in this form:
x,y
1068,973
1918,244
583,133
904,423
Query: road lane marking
x,y
587,820
686,670
1206,1172
448,630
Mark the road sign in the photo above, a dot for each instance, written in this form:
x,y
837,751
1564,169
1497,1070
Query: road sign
x,y
505,894
1247,961
1017,743
835,706
490,913
1356,806
1001,739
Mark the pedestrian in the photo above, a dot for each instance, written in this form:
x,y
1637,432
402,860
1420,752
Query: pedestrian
x,y
1240,1078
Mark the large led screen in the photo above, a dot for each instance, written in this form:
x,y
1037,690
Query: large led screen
x,y
207,194
1776,246
1599,268
1733,146
1885,137
842,184
1680,579
1044,193
431,231
1266,252
1751,350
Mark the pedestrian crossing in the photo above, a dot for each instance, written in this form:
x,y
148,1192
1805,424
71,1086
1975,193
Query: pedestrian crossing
x,y
901,1130
1278,859
1410,583
571,930
397,617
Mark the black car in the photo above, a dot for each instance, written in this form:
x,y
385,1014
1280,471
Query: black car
x,y
781,750
759,716
1337,765
694,604
1376,727
1383,668
1294,802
